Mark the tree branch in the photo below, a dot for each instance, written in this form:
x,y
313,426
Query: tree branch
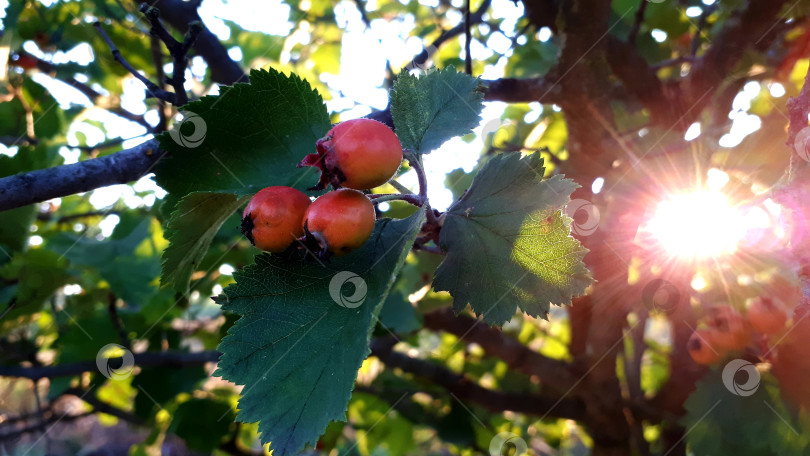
x,y
553,373
742,31
517,90
51,69
165,359
179,14
41,185
464,388
152,89
177,49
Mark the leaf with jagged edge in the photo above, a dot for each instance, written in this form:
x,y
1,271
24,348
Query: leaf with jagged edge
x,y
508,243
294,348
248,137
430,109
190,230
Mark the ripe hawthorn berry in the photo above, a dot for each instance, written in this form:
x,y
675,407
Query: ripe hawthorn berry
x,y
702,347
732,332
339,221
765,316
359,154
272,219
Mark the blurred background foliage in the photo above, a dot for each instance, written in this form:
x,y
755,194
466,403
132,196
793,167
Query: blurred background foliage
x,y
82,271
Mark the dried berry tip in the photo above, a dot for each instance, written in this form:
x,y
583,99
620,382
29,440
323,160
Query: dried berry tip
x,y
247,228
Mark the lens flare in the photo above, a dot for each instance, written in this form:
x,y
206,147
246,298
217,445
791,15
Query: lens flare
x,y
697,224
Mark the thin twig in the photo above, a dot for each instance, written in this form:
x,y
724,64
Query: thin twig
x,y
8,308
642,8
400,188
467,39
178,50
112,309
151,88
157,58
475,18
707,11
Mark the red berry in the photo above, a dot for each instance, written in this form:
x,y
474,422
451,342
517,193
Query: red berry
x,y
765,316
340,221
359,154
272,218
703,348
732,332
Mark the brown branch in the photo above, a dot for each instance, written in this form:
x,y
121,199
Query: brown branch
x,y
463,388
516,90
152,89
41,185
177,49
474,18
179,14
639,79
742,31
102,407
642,8
166,359
552,373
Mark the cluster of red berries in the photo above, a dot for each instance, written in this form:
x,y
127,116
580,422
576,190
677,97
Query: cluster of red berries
x,y
355,155
727,330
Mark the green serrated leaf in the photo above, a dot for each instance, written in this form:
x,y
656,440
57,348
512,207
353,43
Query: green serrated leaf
x,y
508,244
296,351
190,230
435,107
249,137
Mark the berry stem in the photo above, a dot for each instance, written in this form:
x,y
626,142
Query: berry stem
x,y
406,195
381,197
416,164
400,188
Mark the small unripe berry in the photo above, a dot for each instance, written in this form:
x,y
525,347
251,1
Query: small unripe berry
x,y
359,154
272,218
340,221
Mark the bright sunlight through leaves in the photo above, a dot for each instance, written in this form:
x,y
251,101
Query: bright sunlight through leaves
x,y
698,224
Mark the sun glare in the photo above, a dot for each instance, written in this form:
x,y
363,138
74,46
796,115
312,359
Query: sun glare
x,y
697,224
